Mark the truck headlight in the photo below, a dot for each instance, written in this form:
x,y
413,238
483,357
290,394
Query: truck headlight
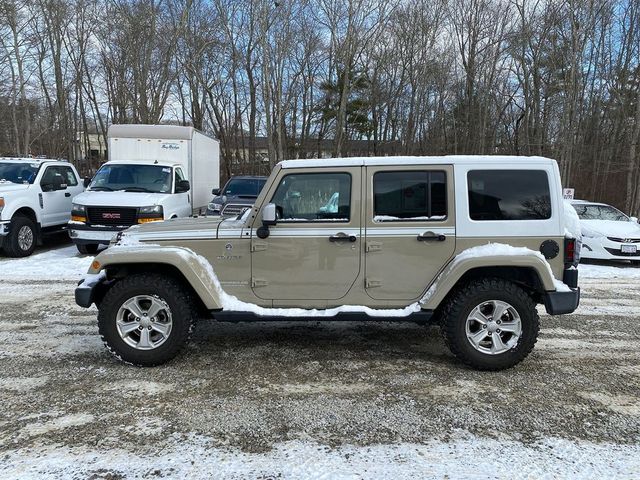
x,y
153,213
215,207
78,213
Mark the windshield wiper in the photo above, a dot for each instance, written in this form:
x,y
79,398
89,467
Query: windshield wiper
x,y
106,189
137,189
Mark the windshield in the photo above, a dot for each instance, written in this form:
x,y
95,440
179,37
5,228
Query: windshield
x,y
132,178
18,172
244,186
600,212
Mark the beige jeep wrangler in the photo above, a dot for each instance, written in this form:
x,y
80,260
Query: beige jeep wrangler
x,y
472,243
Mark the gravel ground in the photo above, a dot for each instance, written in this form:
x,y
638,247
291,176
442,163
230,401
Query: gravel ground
x,y
286,391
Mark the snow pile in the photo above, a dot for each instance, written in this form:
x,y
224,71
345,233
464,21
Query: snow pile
x,y
606,271
60,263
468,457
572,227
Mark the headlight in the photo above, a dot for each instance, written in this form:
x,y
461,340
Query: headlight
x,y
78,213
152,213
215,207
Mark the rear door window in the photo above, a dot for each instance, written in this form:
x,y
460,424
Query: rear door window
x,y
409,196
509,195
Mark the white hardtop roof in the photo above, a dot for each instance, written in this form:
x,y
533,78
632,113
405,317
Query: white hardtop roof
x,y
29,160
436,160
161,132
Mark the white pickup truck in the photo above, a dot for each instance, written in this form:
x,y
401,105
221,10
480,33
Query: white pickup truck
x,y
35,199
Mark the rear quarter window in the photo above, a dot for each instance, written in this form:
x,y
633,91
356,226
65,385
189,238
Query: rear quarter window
x,y
509,195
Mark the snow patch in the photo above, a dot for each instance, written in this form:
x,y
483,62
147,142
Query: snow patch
x,y
22,384
60,264
59,423
195,457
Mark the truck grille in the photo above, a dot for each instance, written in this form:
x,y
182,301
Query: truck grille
x,y
234,210
624,240
112,216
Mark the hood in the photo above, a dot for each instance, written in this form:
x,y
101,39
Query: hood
x,y
173,229
119,199
611,228
6,187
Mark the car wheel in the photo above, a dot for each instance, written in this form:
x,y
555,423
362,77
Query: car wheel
x,y
146,319
21,241
88,249
490,324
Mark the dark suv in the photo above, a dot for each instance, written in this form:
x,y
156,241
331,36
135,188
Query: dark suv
x,y
237,194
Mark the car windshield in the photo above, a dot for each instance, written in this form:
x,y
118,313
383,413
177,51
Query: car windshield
x,y
599,212
249,187
132,178
18,172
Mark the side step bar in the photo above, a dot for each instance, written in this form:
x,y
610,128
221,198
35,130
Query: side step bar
x,y
422,316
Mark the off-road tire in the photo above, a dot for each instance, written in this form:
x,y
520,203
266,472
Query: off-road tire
x,y
11,242
88,249
183,311
465,299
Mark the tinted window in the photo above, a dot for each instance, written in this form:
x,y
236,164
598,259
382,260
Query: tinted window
x,y
64,175
314,197
410,195
133,178
509,195
244,186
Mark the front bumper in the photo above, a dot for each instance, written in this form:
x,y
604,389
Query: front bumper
x,y
91,290
85,234
601,248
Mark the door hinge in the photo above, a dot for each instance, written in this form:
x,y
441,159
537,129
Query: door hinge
x,y
374,246
372,283
257,282
258,247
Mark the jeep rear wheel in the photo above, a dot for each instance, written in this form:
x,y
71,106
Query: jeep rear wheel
x,y
146,319
490,324
21,241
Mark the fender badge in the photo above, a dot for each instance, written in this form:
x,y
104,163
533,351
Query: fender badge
x,y
228,246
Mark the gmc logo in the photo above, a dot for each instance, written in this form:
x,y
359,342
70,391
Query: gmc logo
x,y
111,216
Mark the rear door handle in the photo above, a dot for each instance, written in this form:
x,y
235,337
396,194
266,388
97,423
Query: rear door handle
x,y
431,237
342,237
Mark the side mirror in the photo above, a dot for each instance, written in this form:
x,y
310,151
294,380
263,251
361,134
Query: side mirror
x,y
183,186
86,182
269,214
633,219
215,192
47,187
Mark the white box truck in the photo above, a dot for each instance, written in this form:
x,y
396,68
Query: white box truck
x,y
154,172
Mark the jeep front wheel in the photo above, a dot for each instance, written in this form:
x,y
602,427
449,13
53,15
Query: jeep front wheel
x,y
490,324
146,319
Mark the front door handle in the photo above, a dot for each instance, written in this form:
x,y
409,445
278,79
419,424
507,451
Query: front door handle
x,y
342,237
431,237
67,194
